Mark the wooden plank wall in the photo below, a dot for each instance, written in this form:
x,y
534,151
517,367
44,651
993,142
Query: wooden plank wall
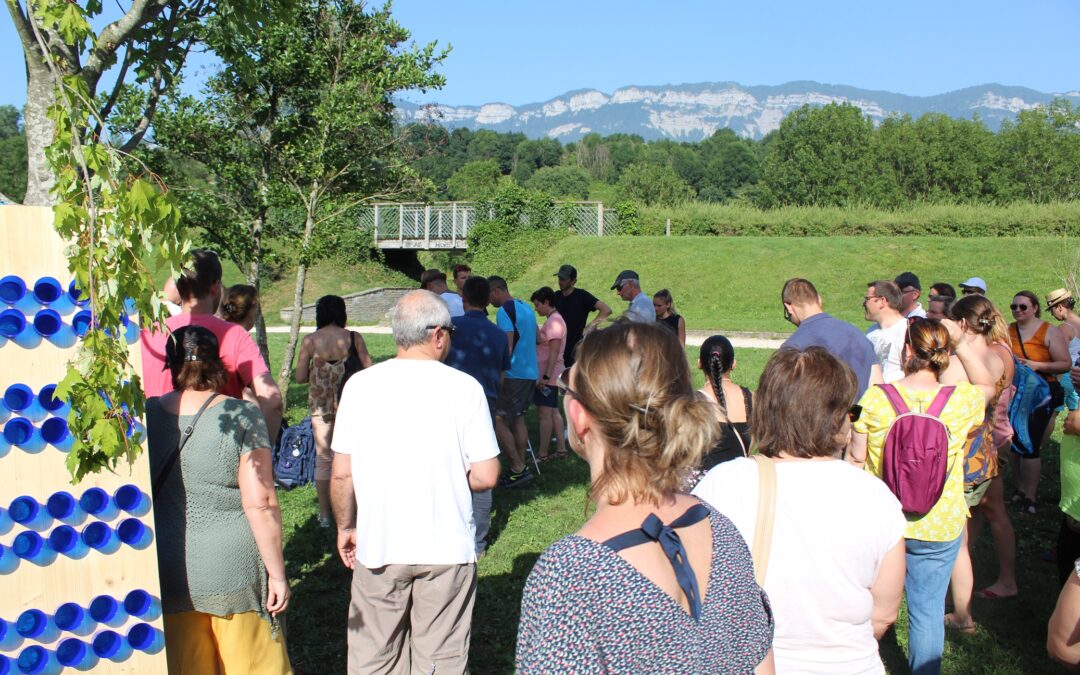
x,y
30,248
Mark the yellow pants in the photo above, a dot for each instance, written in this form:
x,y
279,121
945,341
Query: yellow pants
x,y
239,644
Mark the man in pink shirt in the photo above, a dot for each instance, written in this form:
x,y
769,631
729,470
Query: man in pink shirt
x,y
199,287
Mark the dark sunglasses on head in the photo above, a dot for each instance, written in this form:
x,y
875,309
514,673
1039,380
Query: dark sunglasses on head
x,y
1022,308
449,330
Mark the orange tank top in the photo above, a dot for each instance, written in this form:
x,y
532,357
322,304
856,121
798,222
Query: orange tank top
x,y
1035,347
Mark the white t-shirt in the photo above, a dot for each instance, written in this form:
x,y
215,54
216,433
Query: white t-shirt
x,y
641,309
834,524
413,428
453,301
888,345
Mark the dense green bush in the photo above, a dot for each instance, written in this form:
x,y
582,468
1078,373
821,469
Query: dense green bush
x,y
496,247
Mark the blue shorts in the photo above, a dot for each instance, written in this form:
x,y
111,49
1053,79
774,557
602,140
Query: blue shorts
x,y
548,400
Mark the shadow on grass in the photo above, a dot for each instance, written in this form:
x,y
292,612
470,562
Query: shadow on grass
x,y
495,618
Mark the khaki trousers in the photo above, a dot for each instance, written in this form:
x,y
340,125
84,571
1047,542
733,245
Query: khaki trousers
x,y
411,619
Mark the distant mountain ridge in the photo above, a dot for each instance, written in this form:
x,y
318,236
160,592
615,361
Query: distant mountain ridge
x,y
691,112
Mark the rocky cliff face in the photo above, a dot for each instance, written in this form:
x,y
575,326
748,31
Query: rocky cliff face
x,y
692,112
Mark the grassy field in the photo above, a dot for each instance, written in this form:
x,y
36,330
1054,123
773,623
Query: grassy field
x,y
1010,639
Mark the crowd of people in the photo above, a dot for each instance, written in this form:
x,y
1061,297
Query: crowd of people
x,y
730,530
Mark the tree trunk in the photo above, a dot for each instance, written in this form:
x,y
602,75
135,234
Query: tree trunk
x,y
285,376
40,94
255,279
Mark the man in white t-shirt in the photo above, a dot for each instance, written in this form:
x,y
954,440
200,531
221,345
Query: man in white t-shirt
x,y
406,458
882,306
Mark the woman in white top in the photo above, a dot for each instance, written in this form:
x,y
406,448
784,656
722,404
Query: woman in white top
x,y
835,572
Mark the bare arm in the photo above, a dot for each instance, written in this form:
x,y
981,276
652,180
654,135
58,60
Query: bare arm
x,y
977,372
888,588
554,352
767,666
1063,633
682,331
259,500
875,375
1059,353
269,396
361,349
484,475
343,502
303,365
603,311
856,449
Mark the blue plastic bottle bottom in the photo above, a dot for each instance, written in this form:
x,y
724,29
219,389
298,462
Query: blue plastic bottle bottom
x,y
133,533
131,499
30,546
63,506
72,618
5,665
12,289
54,431
111,645
141,604
54,406
34,660
81,322
96,502
33,623
26,511
107,610
66,541
9,562
100,537
145,638
20,432
20,399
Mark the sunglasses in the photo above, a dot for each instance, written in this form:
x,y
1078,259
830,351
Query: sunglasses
x,y
970,291
449,330
1021,308
563,383
854,413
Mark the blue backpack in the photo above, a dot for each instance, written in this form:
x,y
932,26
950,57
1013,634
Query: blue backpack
x,y
1032,392
294,455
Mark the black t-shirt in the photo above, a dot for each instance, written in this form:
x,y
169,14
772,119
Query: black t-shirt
x,y
574,309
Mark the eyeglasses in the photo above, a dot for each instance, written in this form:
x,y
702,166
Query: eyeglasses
x,y
854,413
449,330
563,383
1020,307
868,298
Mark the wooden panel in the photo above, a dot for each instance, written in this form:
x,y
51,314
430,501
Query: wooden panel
x,y
30,248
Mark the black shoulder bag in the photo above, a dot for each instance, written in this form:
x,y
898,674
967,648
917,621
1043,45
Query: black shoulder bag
x,y
353,364
511,313
171,461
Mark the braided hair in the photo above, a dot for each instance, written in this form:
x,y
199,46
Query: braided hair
x,y
717,357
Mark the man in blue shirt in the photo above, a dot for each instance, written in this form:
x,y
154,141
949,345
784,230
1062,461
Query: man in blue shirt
x,y
518,321
479,348
802,307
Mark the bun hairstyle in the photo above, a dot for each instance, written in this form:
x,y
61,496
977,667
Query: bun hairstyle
x,y
717,357
634,381
927,344
191,354
977,311
238,302
802,403
664,296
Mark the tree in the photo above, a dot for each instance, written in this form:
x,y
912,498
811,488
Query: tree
x,y
151,41
343,147
474,180
12,154
570,182
654,185
532,155
1039,153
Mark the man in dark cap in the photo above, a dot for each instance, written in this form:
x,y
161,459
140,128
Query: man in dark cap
x,y
910,290
628,286
575,305
435,281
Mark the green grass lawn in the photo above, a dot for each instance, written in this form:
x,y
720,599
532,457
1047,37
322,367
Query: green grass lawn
x,y
1011,636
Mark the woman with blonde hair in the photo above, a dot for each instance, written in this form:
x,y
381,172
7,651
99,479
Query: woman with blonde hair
x,y
834,582
932,538
664,305
655,581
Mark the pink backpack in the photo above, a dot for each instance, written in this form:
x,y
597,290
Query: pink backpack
x,y
915,456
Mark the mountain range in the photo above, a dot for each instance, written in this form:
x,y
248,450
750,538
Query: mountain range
x,y
691,112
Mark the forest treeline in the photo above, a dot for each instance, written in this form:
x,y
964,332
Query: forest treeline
x,y
820,156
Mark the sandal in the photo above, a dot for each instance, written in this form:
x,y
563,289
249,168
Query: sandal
x,y
987,594
1027,507
1017,497
952,624
542,458
562,455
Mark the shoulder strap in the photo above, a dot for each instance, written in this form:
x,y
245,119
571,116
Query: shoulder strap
x,y
897,401
1020,339
159,481
352,345
510,308
766,516
940,401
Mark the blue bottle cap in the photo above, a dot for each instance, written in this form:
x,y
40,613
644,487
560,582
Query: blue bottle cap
x,y
47,290
130,531
63,539
107,643
31,623
96,534
94,501
27,545
12,289
103,608
68,616
60,504
54,430
136,603
33,660
71,652
48,400
18,431
24,509
47,322
12,322
18,397
141,636
128,497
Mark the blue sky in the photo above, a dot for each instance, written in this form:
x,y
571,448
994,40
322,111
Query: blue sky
x,y
520,52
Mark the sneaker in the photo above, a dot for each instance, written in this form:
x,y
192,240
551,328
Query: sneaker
x,y
516,478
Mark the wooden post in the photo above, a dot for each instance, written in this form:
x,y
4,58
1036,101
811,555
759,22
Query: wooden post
x,y
599,219
440,224
427,226
453,224
376,225
401,223
667,229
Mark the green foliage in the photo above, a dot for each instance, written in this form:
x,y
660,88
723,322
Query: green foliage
x,y
654,185
1040,154
474,180
519,208
567,182
496,247
12,154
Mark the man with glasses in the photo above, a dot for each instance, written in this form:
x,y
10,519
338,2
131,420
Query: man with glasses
x,y
974,285
518,322
910,291
407,458
628,286
881,305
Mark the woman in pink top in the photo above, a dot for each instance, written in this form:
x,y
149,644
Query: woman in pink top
x,y
550,341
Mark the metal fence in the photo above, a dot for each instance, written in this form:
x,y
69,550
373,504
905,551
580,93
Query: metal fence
x,y
447,224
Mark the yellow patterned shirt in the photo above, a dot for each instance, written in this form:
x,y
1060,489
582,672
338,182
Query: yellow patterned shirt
x,y
965,409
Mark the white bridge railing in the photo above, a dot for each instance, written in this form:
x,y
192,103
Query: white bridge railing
x,y
446,225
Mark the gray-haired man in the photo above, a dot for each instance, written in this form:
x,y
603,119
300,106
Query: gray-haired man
x,y
406,458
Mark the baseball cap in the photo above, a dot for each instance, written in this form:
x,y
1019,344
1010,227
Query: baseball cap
x,y
625,275
974,282
567,272
906,279
1054,297
431,275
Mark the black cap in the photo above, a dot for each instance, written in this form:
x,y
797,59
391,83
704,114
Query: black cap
x,y
567,272
908,279
431,275
625,275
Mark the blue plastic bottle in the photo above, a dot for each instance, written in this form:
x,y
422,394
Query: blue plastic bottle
x,y
108,610
74,653
49,293
52,405
14,327
111,645
131,499
5,412
131,329
145,638
100,537
30,546
96,502
9,562
54,431
63,506
80,323
77,296
37,660
20,399
34,624
132,532
66,541
5,665
12,289
21,433
26,511
71,618
141,604
50,325
6,523
9,639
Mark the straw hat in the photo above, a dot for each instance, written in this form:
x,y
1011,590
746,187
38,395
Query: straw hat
x,y
1058,296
